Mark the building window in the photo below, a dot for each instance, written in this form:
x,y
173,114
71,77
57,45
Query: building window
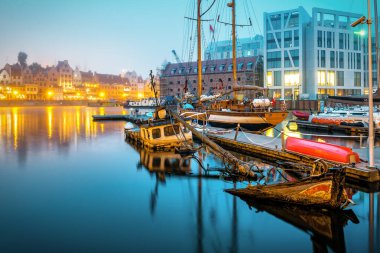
x,y
329,20
356,42
211,80
341,40
323,58
319,19
296,38
332,59
340,78
357,79
276,21
319,38
173,71
330,78
195,70
288,39
358,61
292,78
274,59
221,67
321,76
178,82
343,22
212,69
271,41
240,66
269,78
293,21
341,60
329,40
277,78
295,57
230,67
249,65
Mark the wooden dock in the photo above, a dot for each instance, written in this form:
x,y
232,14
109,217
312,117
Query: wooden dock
x,y
332,128
270,149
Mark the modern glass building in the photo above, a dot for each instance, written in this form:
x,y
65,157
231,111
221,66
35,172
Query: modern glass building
x,y
313,56
245,47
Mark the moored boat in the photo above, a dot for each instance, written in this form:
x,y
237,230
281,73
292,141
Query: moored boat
x,y
160,134
324,191
301,115
325,151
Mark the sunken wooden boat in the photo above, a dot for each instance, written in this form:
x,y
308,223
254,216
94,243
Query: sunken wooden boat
x,y
325,191
160,133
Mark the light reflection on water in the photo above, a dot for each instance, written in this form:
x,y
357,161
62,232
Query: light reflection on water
x,y
70,184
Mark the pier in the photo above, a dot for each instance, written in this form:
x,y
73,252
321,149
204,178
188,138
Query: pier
x,y
271,149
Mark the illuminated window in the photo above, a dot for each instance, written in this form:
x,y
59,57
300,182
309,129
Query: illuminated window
x,y
330,78
269,78
321,78
292,78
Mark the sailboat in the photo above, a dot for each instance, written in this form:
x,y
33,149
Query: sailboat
x,y
256,117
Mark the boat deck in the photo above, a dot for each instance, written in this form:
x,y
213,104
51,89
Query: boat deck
x,y
270,149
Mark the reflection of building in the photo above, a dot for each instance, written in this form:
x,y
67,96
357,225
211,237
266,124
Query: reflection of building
x,y
318,55
217,75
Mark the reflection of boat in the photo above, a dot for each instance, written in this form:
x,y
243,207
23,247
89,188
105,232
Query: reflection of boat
x,y
165,162
325,227
160,133
326,190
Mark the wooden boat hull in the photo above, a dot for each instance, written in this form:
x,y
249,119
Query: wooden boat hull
x,y
326,191
253,121
301,115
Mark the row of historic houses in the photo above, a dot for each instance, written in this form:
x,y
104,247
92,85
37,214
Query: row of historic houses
x,y
61,82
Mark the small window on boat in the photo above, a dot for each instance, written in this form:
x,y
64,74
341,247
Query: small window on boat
x,y
156,163
156,133
171,130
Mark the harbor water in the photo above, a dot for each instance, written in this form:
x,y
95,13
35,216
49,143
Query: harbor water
x,y
68,184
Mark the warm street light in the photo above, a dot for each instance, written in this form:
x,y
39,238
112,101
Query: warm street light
x,y
368,21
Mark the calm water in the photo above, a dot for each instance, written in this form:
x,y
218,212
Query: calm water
x,y
68,184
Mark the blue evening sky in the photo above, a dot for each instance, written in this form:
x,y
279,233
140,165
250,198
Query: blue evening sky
x,y
108,36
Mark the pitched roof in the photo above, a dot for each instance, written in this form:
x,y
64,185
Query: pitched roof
x,y
221,66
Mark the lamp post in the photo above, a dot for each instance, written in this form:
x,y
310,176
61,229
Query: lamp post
x,y
368,21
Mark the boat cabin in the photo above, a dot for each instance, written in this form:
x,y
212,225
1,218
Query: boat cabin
x,y
164,134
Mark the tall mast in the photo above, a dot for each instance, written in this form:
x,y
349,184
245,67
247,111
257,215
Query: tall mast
x,y
199,50
370,91
377,43
232,5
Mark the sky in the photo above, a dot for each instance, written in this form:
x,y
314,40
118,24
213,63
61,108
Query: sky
x,y
108,36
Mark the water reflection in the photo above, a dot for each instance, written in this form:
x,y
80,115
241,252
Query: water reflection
x,y
42,129
324,227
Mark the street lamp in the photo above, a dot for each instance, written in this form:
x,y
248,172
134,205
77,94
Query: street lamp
x,y
368,21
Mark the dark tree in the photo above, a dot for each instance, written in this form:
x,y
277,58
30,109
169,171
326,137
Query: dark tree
x,y
35,67
22,59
